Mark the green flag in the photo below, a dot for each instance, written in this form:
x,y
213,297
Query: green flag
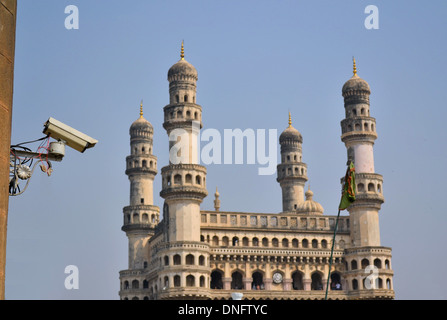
x,y
348,195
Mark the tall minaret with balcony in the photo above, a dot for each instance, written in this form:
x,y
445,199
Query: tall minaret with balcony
x,y
184,180
186,261
292,172
141,216
358,135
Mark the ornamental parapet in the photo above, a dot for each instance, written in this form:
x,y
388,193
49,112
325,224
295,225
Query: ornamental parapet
x,y
290,221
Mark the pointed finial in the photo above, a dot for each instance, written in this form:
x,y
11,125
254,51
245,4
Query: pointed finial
x,y
216,201
141,109
182,52
290,120
355,67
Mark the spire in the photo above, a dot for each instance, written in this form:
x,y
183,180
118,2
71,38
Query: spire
x,y
216,201
182,52
290,120
355,67
141,109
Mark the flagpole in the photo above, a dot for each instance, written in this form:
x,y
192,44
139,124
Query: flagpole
x,y
332,251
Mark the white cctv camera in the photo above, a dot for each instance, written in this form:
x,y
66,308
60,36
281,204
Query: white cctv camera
x,y
69,136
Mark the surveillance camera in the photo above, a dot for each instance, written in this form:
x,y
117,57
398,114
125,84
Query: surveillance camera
x,y
71,137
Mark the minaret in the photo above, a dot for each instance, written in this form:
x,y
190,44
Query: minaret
x,y
359,134
141,216
183,188
292,172
184,181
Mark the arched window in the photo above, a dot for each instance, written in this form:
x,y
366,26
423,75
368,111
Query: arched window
x,y
305,243
297,281
136,218
265,242
258,283
365,263
190,281
177,98
177,179
275,242
225,241
387,264
354,112
371,187
188,178
201,260
314,243
186,98
188,114
216,280
189,259
166,282
145,284
145,218
317,283
379,188
179,114
388,284
135,284
245,241
176,281
378,263
235,241
335,281
166,258
177,260
360,187
357,127
324,244
365,126
198,180
195,116
354,265
126,285
255,242
295,243
202,281
236,280
215,241
355,284
285,243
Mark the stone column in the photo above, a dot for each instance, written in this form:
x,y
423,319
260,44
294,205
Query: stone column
x,y
8,10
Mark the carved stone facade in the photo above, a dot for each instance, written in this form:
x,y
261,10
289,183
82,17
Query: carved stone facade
x,y
197,254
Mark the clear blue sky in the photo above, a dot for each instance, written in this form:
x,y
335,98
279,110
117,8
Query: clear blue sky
x,y
256,61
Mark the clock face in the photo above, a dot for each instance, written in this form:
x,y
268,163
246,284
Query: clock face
x,y
277,277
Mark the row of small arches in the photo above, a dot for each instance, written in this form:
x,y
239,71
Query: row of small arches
x,y
364,263
179,115
275,242
190,260
142,150
178,179
361,112
144,164
185,98
295,171
288,158
371,187
135,218
358,127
